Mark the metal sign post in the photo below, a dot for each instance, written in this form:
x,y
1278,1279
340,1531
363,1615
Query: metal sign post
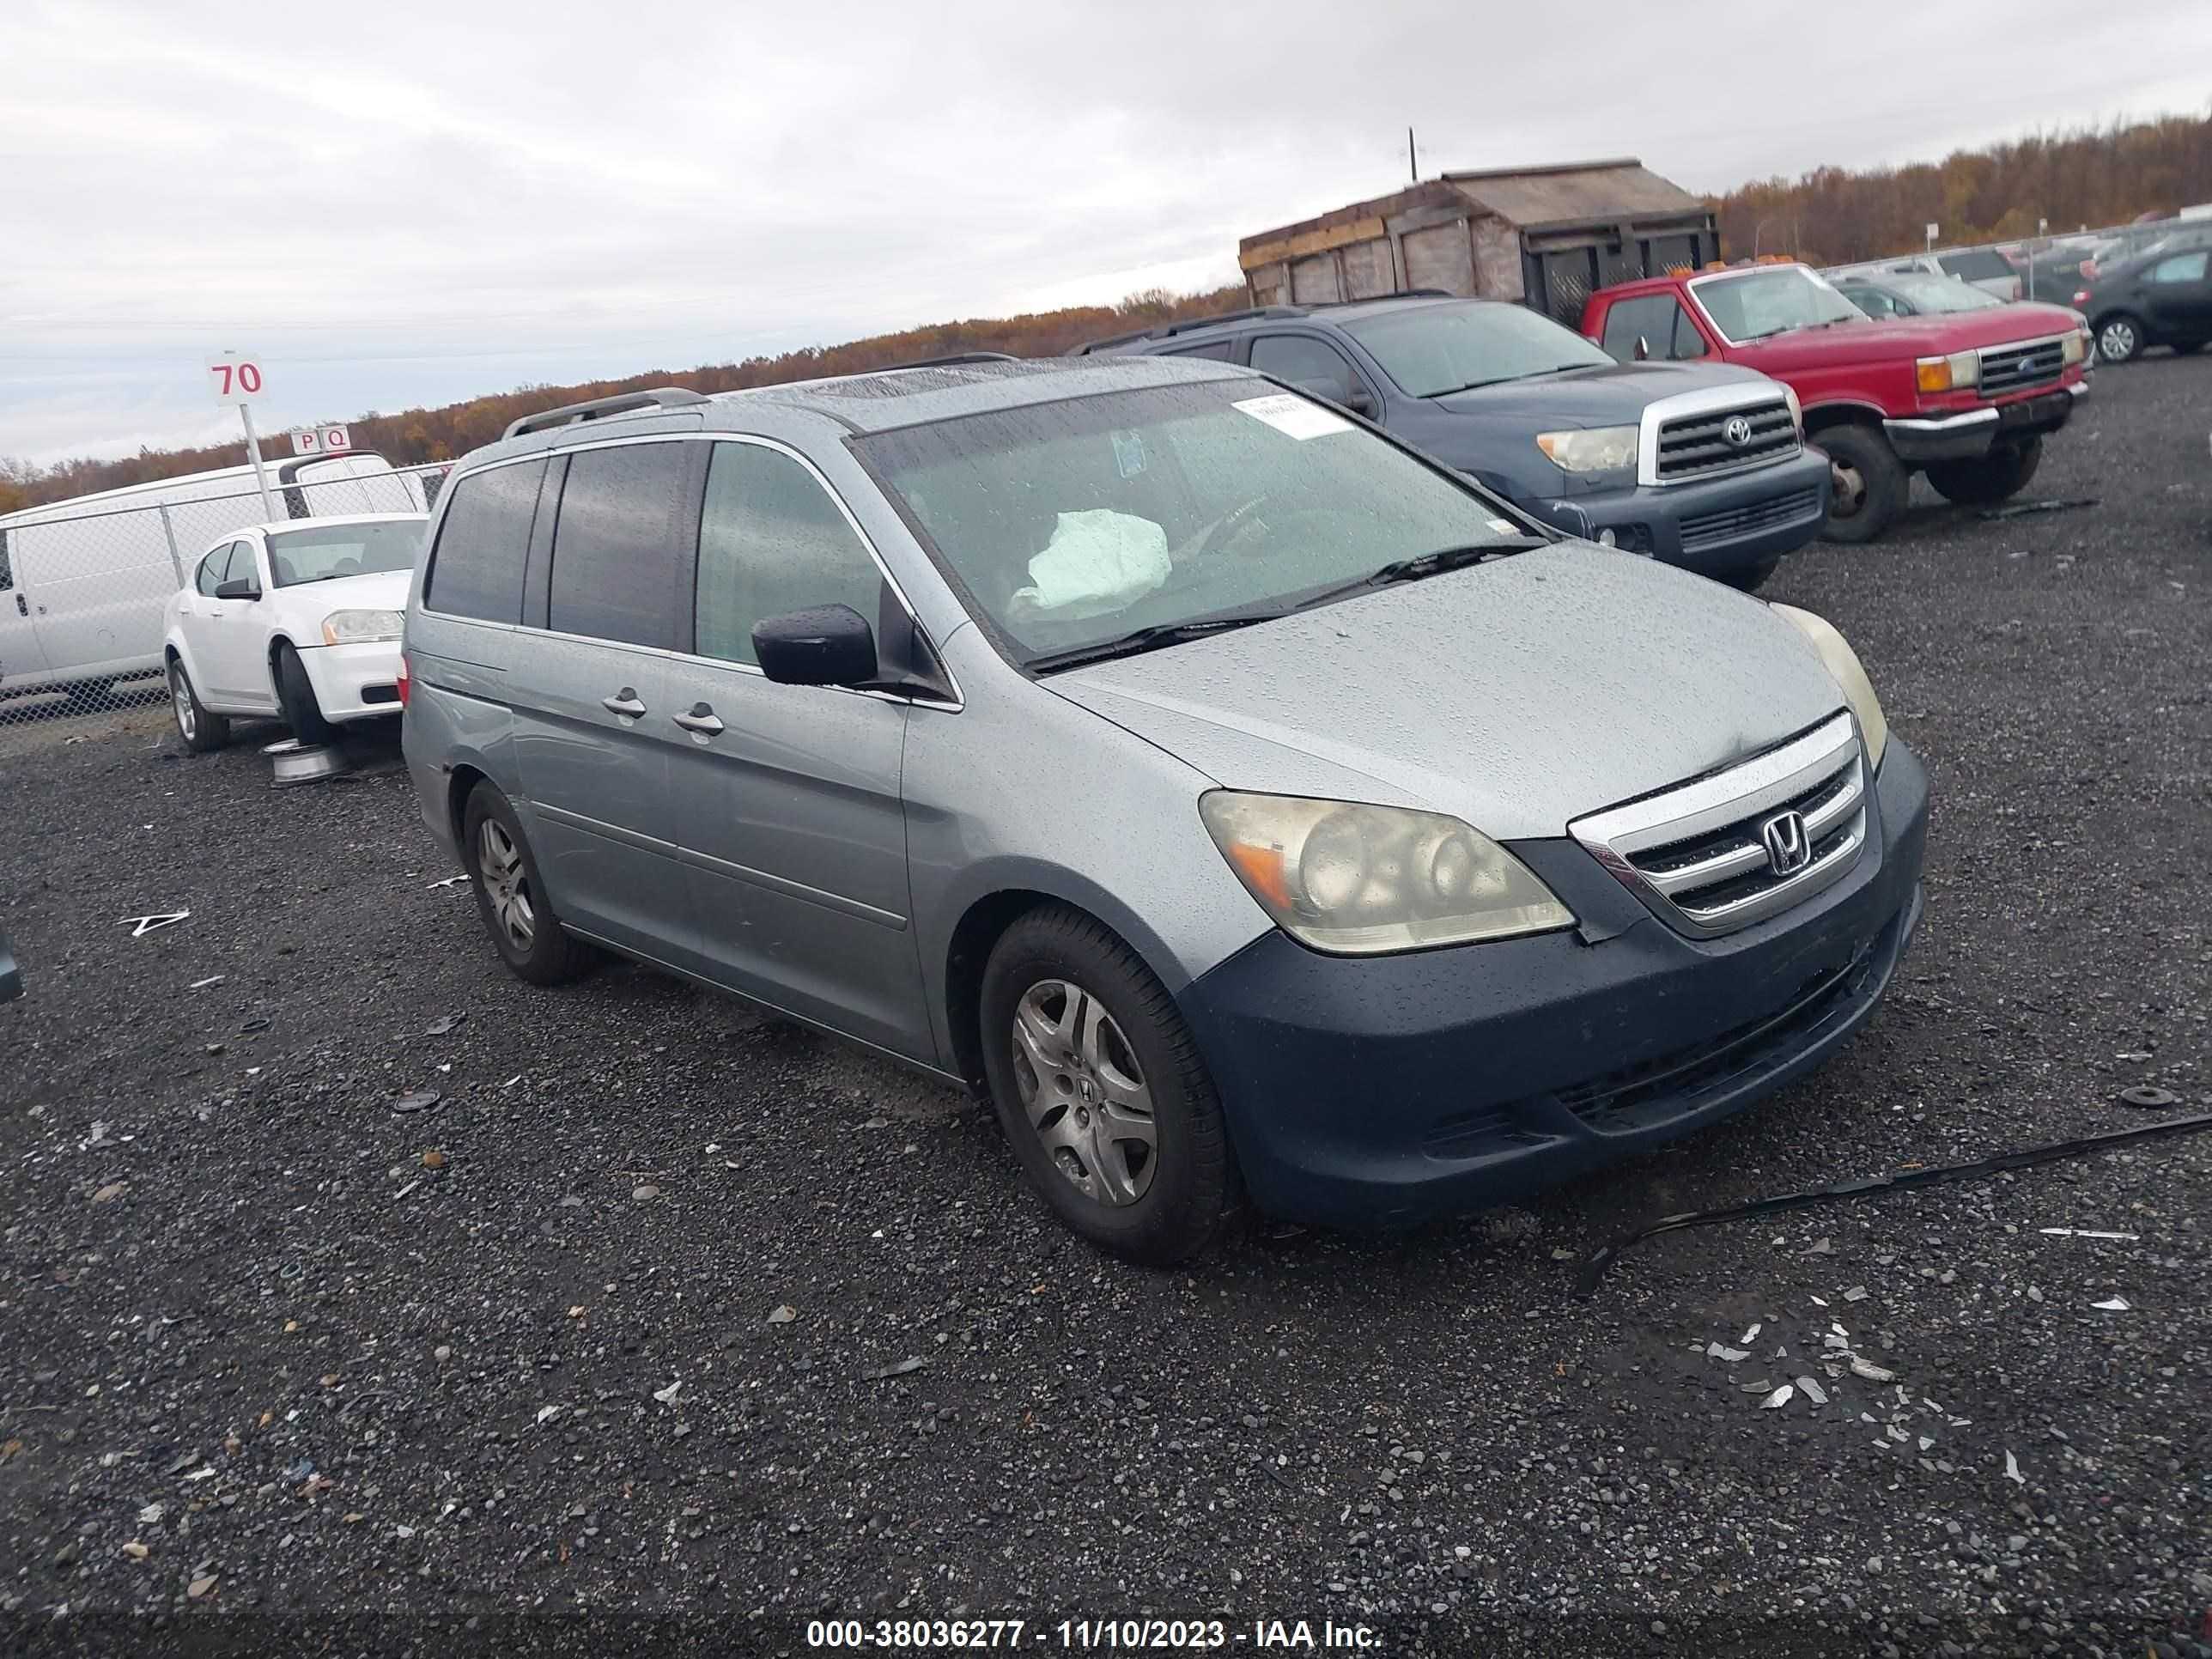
x,y
237,378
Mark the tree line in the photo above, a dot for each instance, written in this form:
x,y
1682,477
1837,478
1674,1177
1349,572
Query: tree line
x,y
2086,177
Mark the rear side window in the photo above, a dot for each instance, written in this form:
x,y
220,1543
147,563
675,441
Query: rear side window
x,y
771,541
476,569
618,543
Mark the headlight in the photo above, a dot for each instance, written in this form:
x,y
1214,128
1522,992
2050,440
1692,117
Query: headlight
x,y
359,627
1843,662
1959,372
2075,346
1361,880
1796,410
1600,449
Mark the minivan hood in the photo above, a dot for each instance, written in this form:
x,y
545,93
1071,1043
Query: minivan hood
x,y
1601,395
1515,695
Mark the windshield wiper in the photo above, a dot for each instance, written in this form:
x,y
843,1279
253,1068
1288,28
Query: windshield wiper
x,y
1146,639
1427,564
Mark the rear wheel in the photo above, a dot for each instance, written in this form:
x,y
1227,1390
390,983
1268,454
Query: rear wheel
x,y
295,696
2119,339
1870,483
511,895
1998,475
1099,1087
203,732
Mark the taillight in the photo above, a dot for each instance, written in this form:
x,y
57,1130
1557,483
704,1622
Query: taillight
x,y
2081,296
402,683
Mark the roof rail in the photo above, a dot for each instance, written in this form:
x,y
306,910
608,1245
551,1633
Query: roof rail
x,y
1089,346
948,361
1187,325
597,409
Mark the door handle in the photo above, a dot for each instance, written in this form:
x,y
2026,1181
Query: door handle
x,y
700,720
624,701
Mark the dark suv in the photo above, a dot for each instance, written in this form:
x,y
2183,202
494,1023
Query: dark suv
x,y
1702,465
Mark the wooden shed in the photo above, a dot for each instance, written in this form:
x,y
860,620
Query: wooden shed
x,y
1546,236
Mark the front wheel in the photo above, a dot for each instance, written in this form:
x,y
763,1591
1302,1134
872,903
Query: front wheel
x,y
1988,479
295,696
1101,1092
2119,339
1870,483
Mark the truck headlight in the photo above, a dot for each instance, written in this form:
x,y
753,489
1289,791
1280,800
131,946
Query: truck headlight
x,y
2075,347
1598,449
1959,372
1360,880
359,627
1796,410
1843,662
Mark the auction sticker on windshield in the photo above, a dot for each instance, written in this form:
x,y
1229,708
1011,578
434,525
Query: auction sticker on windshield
x,y
1291,414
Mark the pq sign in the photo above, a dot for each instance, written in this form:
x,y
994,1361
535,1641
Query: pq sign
x,y
236,377
322,441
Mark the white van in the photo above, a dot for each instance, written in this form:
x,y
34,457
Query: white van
x,y
82,582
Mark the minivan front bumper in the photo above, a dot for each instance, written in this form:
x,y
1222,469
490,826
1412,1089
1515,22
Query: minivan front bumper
x,y
1381,1091
1725,528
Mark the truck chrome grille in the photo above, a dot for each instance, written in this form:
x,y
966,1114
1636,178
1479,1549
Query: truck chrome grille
x,y
1738,846
2031,362
1697,446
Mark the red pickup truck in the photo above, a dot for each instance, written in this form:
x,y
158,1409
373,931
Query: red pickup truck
x,y
1965,397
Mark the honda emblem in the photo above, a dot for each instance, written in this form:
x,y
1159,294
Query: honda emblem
x,y
1789,848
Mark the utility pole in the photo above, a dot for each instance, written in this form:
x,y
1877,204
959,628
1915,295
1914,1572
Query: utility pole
x,y
1413,167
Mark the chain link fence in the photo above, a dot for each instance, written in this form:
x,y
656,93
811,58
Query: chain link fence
x,y
84,583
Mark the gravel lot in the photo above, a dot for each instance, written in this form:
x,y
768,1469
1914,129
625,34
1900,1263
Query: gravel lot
x,y
285,1369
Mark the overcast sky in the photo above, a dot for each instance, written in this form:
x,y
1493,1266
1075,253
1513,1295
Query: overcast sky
x,y
402,203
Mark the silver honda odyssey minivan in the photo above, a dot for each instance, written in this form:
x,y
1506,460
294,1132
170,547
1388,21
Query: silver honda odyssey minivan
x,y
1253,810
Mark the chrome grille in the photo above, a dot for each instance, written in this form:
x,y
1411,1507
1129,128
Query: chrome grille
x,y
1698,854
2009,368
1697,446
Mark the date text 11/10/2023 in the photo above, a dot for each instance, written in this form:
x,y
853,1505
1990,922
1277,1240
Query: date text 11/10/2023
x,y
1091,1635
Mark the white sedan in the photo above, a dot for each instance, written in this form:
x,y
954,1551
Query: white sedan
x,y
297,620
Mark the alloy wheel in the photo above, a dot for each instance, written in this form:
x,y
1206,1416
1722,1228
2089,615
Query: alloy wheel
x,y
507,884
2116,342
1847,490
181,696
1084,1092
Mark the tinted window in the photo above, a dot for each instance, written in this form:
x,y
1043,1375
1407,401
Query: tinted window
x,y
1650,318
618,543
1976,264
1429,350
1303,363
772,541
1688,343
2182,268
1217,350
476,570
211,571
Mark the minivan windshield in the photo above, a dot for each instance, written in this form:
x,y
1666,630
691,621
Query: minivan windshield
x,y
1771,300
327,551
1432,350
1170,510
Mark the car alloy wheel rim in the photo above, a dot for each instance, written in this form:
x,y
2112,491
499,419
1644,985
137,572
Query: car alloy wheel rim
x,y
1084,1092
507,887
180,695
1847,490
2116,342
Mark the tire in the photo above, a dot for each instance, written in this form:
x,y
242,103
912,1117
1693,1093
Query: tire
x,y
1752,578
1103,1032
295,696
2120,337
1996,477
203,732
1870,484
511,895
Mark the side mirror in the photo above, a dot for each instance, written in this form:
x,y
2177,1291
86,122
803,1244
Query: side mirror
x,y
244,588
828,645
1642,348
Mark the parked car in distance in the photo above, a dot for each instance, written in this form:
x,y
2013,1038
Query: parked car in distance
x,y
2163,297
297,620
1967,399
11,975
1913,293
1647,456
1237,797
1984,268
88,577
